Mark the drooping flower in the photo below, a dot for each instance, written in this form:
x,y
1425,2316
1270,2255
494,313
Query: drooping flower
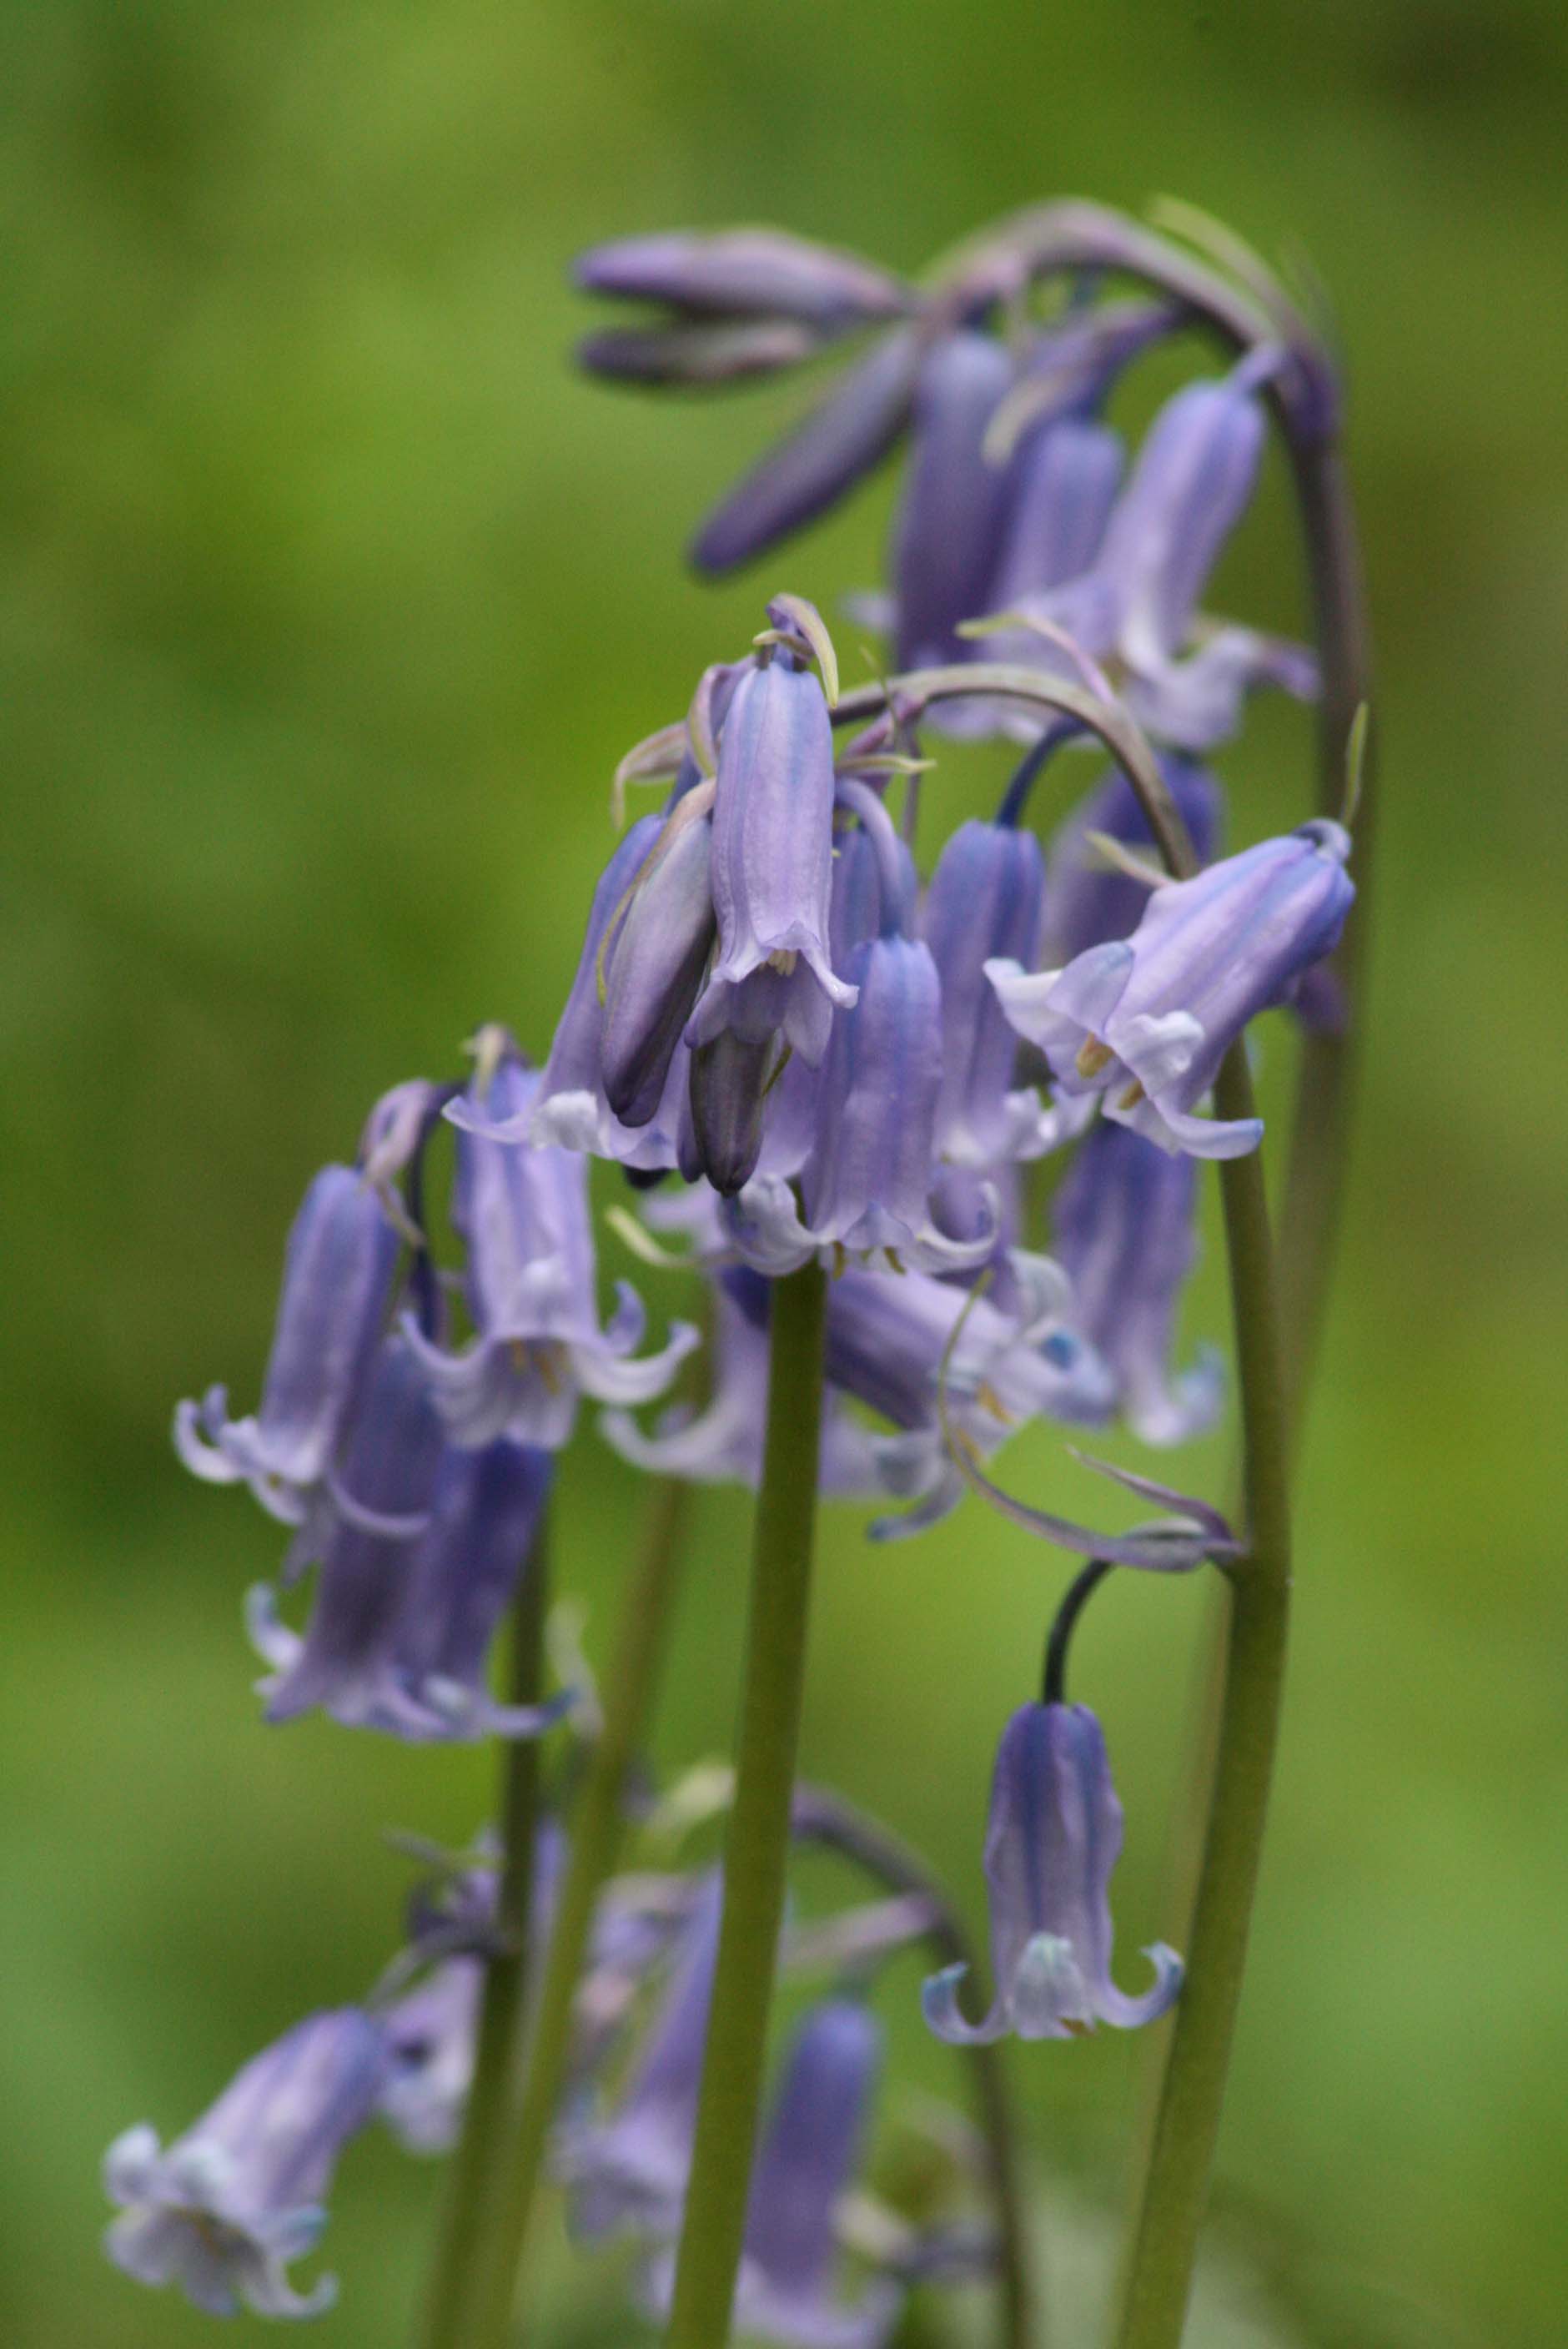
x,y
1145,1021
953,507
1137,604
401,1627
746,273
629,2171
834,446
984,903
523,1216
656,962
786,2291
338,1286
1122,1230
226,2207
773,858
723,1444
570,1106
1052,1841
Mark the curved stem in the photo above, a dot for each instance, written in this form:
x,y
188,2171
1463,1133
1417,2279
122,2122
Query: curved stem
x,y
596,1836
757,1843
457,2281
1007,681
829,1819
1175,2185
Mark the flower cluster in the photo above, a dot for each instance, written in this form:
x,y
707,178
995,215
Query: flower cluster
x,y
806,1036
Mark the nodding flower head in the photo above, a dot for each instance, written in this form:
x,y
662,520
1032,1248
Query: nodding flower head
x,y
1052,1841
953,508
743,273
1122,1226
773,845
630,2171
1136,603
572,1106
224,2209
523,1213
806,2163
984,902
338,1286
1145,1021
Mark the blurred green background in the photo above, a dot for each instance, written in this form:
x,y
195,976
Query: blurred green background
x,y
329,599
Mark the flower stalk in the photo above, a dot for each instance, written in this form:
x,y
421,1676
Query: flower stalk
x,y
453,2313
1174,2187
596,1828
758,1842
828,1818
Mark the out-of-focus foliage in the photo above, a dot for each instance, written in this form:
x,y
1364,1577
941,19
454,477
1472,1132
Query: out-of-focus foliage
x,y
328,599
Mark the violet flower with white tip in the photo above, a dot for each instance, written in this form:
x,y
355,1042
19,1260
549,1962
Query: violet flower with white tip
x,y
337,1287
227,2206
1145,1021
523,1216
1052,1841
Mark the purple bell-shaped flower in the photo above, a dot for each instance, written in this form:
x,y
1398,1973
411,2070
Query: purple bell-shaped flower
x,y
1145,1021
523,1214
338,1286
1052,1841
1122,1227
224,2209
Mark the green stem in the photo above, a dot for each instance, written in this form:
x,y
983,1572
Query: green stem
x,y
829,1819
1175,2184
1319,1145
456,2279
597,1823
757,1843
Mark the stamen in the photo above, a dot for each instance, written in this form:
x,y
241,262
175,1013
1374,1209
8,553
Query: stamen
x,y
1093,1056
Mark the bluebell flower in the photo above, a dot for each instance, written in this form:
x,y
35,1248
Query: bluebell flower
x,y
658,961
1089,900
744,272
773,861
886,1340
811,2148
1052,1841
431,2033
227,2206
571,1107
1137,604
365,1532
337,1288
834,446
421,1550
984,902
954,506
1122,1230
785,2291
1145,1021
523,1214
723,1442
1061,487
629,2171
